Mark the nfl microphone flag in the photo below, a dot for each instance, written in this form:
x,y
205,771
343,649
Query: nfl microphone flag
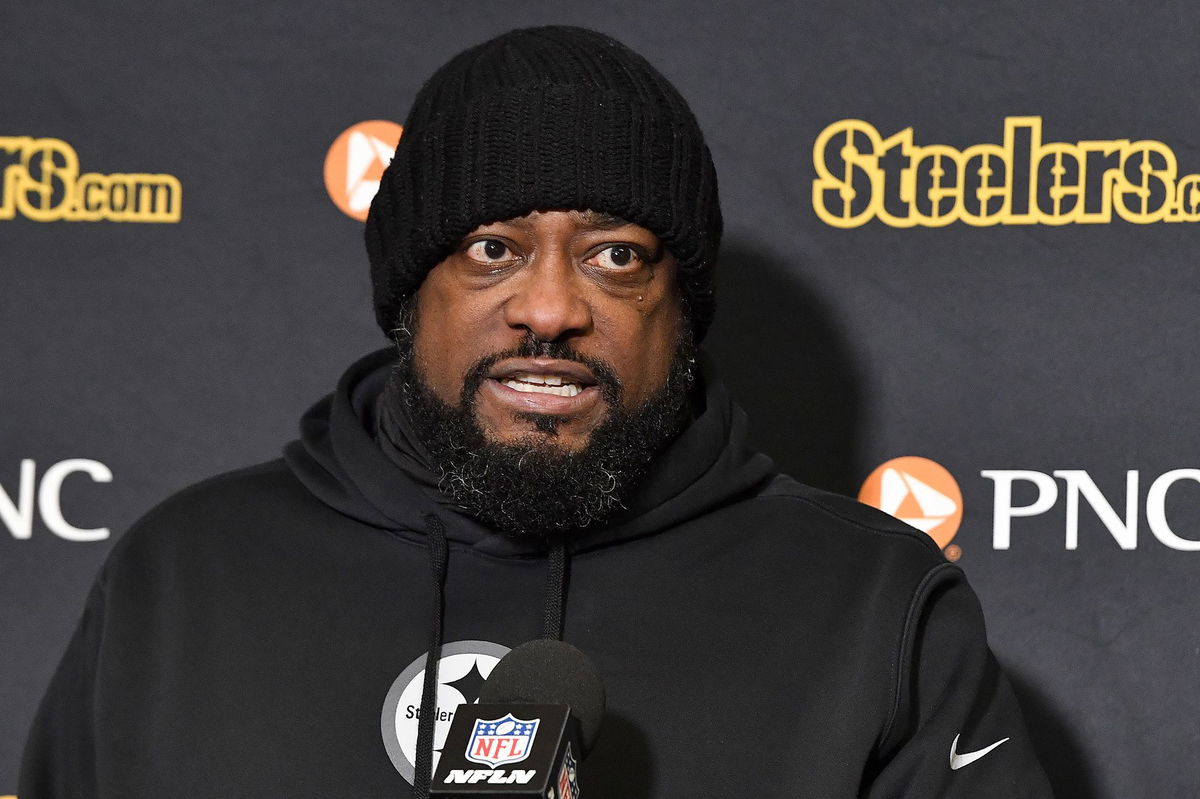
x,y
493,751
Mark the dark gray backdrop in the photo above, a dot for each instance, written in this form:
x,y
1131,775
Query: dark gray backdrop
x,y
169,352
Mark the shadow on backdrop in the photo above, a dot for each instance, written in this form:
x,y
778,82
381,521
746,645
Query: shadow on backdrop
x,y
621,765
787,364
1063,757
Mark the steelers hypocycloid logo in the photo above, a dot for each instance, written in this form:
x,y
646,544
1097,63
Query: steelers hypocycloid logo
x,y
919,492
461,672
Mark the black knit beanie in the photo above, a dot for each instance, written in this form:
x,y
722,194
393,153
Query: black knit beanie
x,y
540,119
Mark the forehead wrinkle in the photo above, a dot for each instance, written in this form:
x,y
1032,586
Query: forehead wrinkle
x,y
584,217
600,219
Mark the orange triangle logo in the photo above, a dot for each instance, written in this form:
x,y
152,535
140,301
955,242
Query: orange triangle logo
x,y
355,163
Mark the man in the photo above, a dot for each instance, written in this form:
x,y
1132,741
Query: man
x,y
542,249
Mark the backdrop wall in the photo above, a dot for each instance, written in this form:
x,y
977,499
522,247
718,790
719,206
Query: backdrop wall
x,y
965,232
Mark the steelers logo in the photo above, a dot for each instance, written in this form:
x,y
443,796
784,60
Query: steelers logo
x,y
461,672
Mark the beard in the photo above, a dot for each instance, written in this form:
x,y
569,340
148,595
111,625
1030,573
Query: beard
x,y
532,486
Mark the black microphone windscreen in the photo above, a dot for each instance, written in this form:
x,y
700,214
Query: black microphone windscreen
x,y
550,672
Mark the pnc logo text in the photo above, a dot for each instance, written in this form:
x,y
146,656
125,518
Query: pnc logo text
x,y
1079,488
17,509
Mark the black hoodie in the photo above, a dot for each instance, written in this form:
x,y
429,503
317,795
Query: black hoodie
x,y
263,634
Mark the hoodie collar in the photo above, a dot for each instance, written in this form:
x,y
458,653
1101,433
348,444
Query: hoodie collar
x,y
339,459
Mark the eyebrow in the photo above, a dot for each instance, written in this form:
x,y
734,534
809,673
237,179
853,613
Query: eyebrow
x,y
600,219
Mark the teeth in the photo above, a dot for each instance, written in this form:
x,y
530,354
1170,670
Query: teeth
x,y
549,379
557,387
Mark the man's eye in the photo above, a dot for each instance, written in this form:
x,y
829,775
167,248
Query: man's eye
x,y
489,250
618,256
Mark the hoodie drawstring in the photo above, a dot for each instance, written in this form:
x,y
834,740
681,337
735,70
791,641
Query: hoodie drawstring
x,y
556,589
439,554
552,627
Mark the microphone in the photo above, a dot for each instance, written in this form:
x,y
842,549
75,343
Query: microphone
x,y
538,714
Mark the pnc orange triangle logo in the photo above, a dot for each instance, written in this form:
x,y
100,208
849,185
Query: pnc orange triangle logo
x,y
919,492
355,163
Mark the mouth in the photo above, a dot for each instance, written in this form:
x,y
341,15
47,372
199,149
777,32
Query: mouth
x,y
544,376
543,385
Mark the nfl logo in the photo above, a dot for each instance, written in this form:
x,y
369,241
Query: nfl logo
x,y
568,786
504,740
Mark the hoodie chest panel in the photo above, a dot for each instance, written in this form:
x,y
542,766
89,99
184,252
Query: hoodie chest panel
x,y
494,599
262,668
732,669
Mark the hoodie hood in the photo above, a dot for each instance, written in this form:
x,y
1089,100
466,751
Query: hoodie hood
x,y
338,459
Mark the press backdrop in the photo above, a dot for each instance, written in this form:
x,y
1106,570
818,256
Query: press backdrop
x,y
964,232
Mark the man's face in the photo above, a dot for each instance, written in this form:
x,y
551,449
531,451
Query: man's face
x,y
548,321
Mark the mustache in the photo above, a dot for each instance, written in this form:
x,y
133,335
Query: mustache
x,y
532,347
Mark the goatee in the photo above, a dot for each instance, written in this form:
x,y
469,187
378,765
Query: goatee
x,y
532,486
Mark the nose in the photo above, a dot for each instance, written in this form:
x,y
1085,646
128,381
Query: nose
x,y
549,299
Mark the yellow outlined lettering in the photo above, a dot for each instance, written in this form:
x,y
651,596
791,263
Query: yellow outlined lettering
x,y
851,159
44,185
1022,181
1187,201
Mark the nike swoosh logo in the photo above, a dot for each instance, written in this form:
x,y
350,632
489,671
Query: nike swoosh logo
x,y
957,761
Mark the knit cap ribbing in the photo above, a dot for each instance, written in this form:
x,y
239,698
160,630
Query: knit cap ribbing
x,y
540,119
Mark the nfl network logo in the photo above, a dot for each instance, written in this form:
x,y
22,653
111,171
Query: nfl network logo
x,y
504,740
